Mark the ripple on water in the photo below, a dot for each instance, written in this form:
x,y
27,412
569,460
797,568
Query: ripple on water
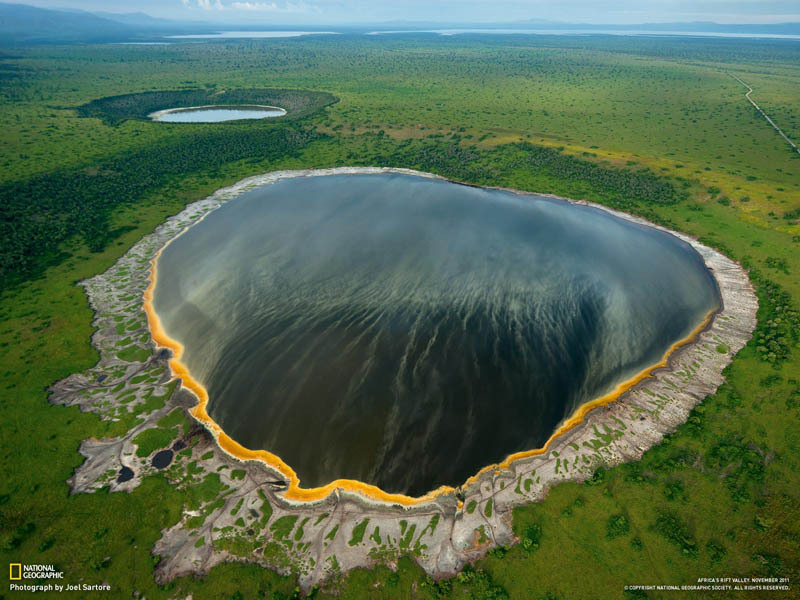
x,y
405,331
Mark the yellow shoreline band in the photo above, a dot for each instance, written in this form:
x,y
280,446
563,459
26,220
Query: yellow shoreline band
x,y
294,492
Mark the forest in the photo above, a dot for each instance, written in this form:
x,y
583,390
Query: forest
x,y
39,214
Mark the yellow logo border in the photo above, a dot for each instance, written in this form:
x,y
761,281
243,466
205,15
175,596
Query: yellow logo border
x,y
11,571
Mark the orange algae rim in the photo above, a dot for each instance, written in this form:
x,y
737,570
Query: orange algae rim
x,y
234,448
298,494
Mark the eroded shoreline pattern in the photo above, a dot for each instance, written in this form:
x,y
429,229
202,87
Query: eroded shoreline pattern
x,y
251,518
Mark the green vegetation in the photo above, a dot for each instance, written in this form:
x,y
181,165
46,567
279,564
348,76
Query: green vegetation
x,y
358,532
153,439
282,527
332,533
669,526
617,525
531,538
176,417
656,127
134,353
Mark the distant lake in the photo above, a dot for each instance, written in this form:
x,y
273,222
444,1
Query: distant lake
x,y
406,331
216,114
249,34
479,31
642,32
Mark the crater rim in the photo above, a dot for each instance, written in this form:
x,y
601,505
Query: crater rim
x,y
294,492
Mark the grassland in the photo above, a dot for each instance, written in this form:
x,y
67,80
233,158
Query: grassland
x,y
719,498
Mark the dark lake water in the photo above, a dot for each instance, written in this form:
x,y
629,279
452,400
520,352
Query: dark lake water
x,y
216,114
407,332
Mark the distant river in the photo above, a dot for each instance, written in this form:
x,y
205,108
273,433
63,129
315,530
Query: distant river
x,y
407,332
248,34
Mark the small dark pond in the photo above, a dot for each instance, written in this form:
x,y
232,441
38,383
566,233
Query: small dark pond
x,y
125,474
162,459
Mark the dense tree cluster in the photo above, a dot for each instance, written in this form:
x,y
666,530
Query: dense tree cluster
x,y
38,214
778,329
621,188
638,185
450,160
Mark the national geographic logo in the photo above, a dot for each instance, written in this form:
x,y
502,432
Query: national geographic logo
x,y
35,578
19,571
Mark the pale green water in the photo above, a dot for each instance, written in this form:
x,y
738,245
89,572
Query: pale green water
x,y
218,115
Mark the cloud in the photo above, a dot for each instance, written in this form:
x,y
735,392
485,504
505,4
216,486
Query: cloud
x,y
206,4
256,5
287,7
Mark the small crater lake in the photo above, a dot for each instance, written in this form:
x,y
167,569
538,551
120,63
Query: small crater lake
x,y
406,331
216,114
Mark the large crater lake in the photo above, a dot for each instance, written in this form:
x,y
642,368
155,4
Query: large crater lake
x,y
406,331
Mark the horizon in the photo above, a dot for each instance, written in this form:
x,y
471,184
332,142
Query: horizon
x,y
472,12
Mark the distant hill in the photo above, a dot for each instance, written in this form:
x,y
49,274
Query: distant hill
x,y
689,27
24,24
143,21
20,23
137,19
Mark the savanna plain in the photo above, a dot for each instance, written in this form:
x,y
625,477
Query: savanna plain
x,y
657,127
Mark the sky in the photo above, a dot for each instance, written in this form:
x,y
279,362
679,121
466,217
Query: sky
x,y
449,11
